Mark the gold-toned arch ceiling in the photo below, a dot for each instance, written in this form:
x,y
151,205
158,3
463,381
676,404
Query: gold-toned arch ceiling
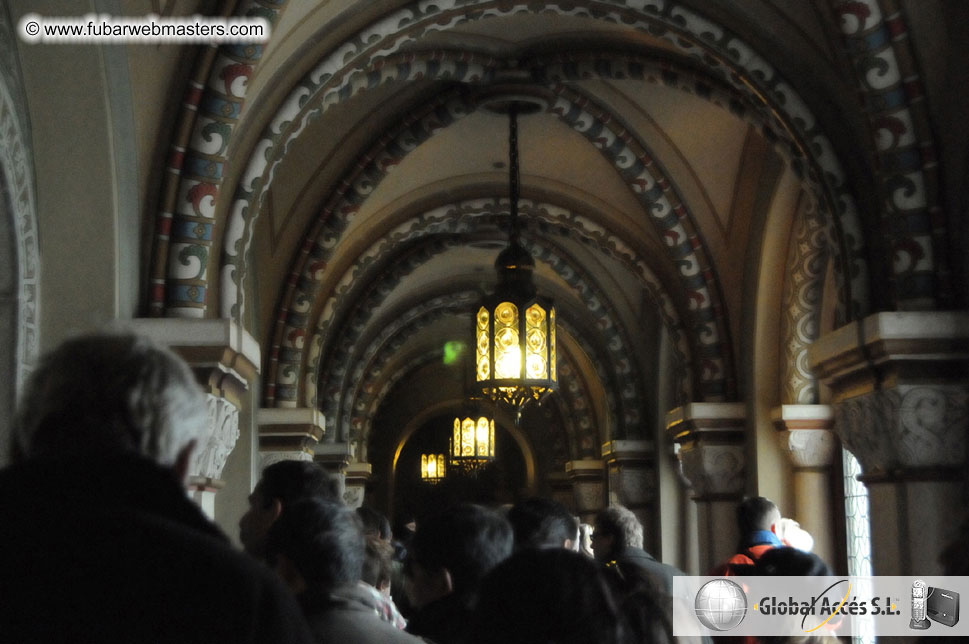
x,y
702,149
368,181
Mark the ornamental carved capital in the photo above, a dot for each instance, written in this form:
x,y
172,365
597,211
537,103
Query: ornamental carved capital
x,y
900,385
225,360
222,437
906,428
805,434
709,440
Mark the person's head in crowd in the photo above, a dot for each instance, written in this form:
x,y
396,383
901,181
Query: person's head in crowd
x,y
551,595
109,394
281,485
756,513
374,523
117,402
316,545
452,551
543,523
377,563
786,561
616,529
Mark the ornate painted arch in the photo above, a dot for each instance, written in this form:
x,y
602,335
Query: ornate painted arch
x,y
689,32
457,220
631,159
877,40
335,356
373,384
18,210
807,260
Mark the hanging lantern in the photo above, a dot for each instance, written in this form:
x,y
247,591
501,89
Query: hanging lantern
x,y
432,468
514,326
472,442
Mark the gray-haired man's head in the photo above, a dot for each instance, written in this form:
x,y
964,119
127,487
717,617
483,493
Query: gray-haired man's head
x,y
105,393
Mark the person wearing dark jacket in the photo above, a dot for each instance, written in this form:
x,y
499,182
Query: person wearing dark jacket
x,y
317,547
617,540
450,554
756,516
100,540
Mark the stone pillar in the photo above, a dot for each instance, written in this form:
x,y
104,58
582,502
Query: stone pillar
x,y
630,467
900,385
560,487
710,437
588,486
225,359
335,458
288,434
804,432
357,476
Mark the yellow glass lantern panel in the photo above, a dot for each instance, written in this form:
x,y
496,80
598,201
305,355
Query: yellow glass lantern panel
x,y
551,343
467,437
507,352
482,362
536,365
456,438
482,444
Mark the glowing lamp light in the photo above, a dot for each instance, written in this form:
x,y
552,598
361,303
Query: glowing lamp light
x,y
472,442
432,468
515,327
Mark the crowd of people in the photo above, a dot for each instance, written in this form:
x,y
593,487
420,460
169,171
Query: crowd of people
x,y
100,542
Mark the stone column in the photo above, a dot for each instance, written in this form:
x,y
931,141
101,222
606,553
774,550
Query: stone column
x,y
804,432
630,466
560,487
710,437
288,434
225,359
900,386
335,458
589,487
357,476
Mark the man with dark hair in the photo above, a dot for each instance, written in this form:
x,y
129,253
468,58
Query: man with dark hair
x,y
374,523
281,485
100,541
449,555
756,516
317,548
543,523
617,541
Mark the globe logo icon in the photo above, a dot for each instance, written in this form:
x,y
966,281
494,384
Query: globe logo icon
x,y
720,605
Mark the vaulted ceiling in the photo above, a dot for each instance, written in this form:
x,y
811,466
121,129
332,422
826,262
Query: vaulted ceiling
x,y
365,194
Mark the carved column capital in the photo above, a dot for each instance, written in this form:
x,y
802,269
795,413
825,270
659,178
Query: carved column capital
x,y
805,433
357,476
588,485
900,382
710,437
289,434
632,476
225,359
334,457
631,468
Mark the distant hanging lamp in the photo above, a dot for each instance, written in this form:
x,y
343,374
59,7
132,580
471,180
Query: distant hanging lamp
x,y
472,441
514,326
433,469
